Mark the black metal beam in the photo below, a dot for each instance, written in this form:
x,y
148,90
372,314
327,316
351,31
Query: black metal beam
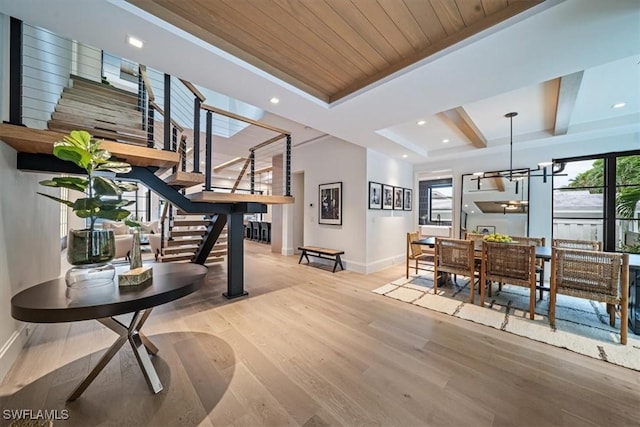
x,y
213,232
196,134
15,72
167,112
208,152
50,164
609,229
235,256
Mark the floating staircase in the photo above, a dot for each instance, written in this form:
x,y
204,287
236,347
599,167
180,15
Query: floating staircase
x,y
101,109
187,234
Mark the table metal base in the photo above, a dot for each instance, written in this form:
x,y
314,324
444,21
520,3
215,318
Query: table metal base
x,y
139,343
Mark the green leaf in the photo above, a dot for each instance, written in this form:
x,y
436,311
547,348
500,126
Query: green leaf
x,y
70,182
87,204
73,154
105,187
114,215
102,155
110,204
57,199
117,167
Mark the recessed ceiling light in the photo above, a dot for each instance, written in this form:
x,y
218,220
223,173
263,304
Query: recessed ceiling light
x,y
404,156
135,42
421,122
619,105
274,100
444,141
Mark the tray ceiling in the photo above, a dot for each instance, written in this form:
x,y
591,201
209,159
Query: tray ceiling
x,y
332,48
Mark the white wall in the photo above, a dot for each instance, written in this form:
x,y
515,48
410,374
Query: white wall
x,y
29,228
334,160
386,229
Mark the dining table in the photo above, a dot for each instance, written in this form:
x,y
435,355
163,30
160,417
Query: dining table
x,y
542,252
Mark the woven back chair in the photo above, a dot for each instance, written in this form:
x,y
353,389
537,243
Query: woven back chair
x,y
510,263
419,253
454,256
535,241
586,245
592,275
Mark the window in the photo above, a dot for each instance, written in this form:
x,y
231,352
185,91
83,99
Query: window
x,y
436,202
597,198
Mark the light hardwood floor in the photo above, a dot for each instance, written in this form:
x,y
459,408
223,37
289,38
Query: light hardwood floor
x,y
312,348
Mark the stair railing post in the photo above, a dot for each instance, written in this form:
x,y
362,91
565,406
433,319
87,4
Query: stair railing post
x,y
287,165
196,134
174,144
208,149
142,97
252,173
150,127
183,152
167,112
15,72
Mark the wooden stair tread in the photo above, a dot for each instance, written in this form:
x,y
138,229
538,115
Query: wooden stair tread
x,y
100,104
216,197
36,141
190,222
58,116
172,258
93,83
71,106
104,90
59,126
100,99
180,250
182,242
185,233
185,179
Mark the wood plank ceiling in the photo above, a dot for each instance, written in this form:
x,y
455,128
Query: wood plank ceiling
x,y
332,48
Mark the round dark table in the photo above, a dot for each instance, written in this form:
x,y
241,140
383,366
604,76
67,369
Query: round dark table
x,y
53,302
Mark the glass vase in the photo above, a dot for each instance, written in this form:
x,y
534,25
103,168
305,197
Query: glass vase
x,y
90,253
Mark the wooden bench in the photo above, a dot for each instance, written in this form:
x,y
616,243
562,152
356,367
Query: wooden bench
x,y
324,253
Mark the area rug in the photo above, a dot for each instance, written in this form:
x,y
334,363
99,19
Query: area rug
x,y
582,326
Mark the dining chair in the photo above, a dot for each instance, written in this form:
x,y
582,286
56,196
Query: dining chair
x,y
593,275
540,242
509,263
417,253
454,256
477,238
587,245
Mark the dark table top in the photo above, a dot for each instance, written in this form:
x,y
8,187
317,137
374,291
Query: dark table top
x,y
53,301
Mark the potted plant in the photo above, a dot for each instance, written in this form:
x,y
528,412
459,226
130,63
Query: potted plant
x,y
90,250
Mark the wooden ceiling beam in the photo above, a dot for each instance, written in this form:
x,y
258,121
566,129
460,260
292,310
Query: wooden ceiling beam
x,y
459,118
567,94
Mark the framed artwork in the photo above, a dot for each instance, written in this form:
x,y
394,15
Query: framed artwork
x,y
485,229
398,198
407,199
375,195
330,203
387,196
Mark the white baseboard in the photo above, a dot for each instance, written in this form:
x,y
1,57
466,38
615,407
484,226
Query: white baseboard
x,y
11,349
384,263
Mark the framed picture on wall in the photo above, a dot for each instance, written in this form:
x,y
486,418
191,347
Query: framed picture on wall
x,y
407,199
398,198
375,195
330,203
485,229
387,197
